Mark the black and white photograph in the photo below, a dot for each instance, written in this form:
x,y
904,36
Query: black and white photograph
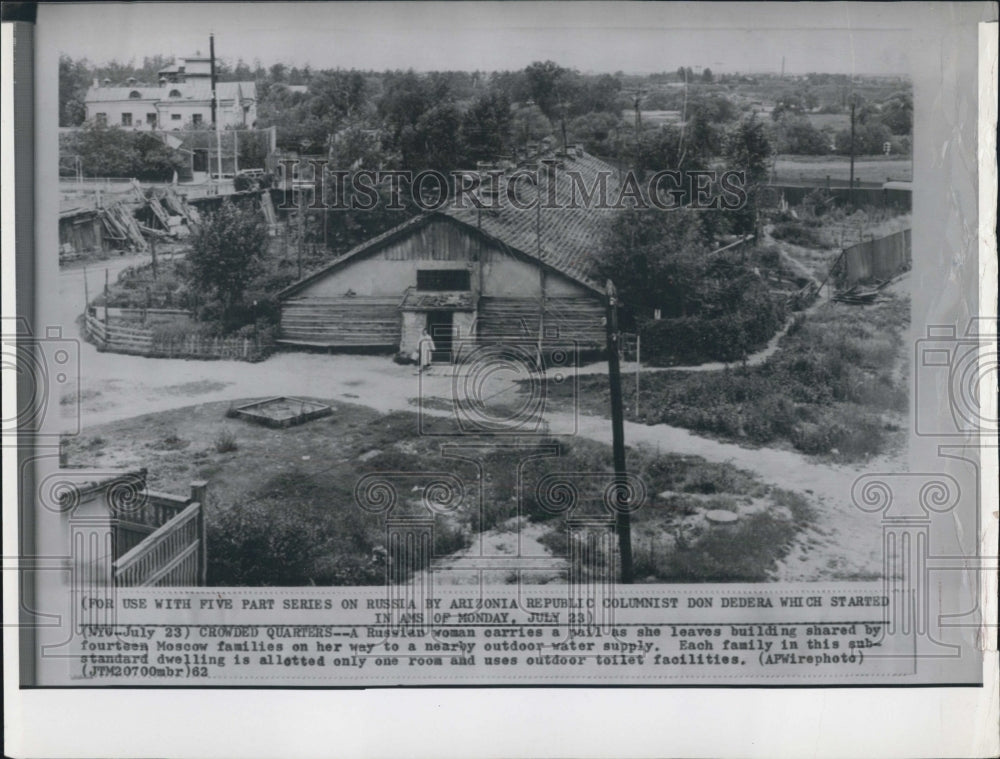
x,y
305,286
554,344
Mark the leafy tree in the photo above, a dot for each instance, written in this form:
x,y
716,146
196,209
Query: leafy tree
x,y
486,126
712,305
227,252
897,113
869,138
435,141
655,259
798,136
74,79
598,131
596,94
404,100
748,149
529,124
550,86
116,152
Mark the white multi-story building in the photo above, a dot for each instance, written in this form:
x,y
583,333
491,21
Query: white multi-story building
x,y
182,99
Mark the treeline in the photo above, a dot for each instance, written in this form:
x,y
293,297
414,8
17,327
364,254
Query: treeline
x,y
448,119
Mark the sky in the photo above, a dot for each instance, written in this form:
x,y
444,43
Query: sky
x,y
852,38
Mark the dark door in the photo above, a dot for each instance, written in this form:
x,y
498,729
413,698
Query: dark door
x,y
200,160
439,324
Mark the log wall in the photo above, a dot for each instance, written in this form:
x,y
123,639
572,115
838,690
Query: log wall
x,y
361,322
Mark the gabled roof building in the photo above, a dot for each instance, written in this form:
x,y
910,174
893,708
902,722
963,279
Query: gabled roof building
x,y
467,275
182,98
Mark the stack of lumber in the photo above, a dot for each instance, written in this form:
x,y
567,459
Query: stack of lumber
x,y
861,295
122,225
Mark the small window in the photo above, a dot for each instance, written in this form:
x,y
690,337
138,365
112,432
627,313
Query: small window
x,y
135,95
175,93
126,119
443,279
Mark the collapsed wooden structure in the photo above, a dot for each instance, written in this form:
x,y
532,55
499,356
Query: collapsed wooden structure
x,y
126,223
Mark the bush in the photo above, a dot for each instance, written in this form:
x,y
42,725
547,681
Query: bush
x,y
729,337
796,233
243,183
225,442
249,544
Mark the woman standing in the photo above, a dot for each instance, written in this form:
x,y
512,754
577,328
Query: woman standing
x,y
426,350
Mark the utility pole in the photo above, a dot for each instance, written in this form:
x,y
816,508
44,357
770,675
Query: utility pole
x,y
215,106
850,193
636,102
301,228
623,518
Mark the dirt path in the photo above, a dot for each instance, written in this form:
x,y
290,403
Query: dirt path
x,y
843,542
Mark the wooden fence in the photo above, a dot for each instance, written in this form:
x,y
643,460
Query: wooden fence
x,y
882,197
143,341
874,259
173,555
150,514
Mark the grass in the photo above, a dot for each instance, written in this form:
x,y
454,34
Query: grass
x,y
282,508
836,386
866,169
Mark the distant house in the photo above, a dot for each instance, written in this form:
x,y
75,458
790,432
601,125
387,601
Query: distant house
x,y
182,97
479,276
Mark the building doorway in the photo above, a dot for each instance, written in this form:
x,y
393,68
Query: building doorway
x,y
200,162
440,325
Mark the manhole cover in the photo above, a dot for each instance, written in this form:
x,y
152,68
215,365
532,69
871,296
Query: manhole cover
x,y
721,517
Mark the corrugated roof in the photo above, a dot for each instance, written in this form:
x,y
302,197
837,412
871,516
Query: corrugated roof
x,y
566,238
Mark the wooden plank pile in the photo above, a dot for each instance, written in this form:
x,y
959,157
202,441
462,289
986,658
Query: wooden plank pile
x,y
861,295
122,225
180,207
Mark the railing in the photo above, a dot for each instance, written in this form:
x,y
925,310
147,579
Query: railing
x,y
162,541
154,511
173,555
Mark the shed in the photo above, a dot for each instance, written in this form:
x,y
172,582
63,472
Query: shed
x,y
466,274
